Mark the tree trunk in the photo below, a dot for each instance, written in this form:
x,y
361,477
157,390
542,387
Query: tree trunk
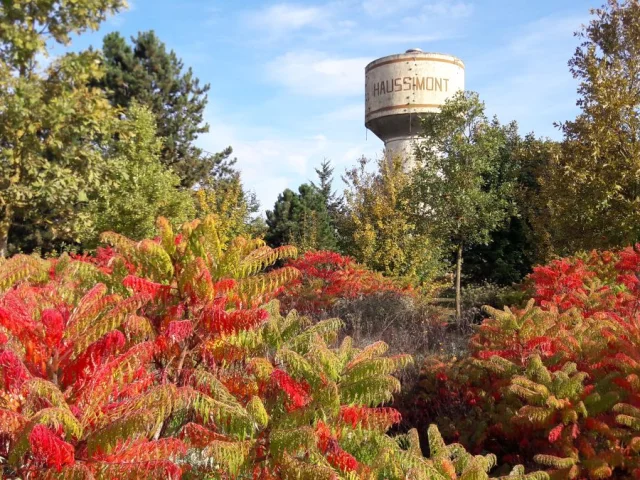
x,y
5,224
458,289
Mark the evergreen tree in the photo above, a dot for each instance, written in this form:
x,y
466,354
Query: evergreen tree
x,y
325,187
146,72
301,219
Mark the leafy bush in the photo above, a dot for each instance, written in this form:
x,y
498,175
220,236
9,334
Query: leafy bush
x,y
371,306
475,297
556,382
327,278
169,358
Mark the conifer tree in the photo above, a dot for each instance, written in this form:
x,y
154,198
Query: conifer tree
x,y
149,74
301,219
325,187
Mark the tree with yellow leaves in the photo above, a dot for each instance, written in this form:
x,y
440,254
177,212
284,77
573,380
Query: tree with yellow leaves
x,y
377,224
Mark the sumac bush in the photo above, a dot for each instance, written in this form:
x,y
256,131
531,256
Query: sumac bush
x,y
327,278
556,383
371,307
170,358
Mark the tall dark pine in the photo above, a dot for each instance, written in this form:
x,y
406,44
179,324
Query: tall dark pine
x,y
146,72
296,216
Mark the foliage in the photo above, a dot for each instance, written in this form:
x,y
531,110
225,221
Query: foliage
x,y
328,277
380,231
301,219
232,207
145,72
476,297
457,189
141,189
54,130
593,192
557,381
53,125
168,358
524,240
26,26
325,187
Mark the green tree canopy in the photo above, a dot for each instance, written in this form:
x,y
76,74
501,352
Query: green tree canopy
x,y
457,190
523,240
301,219
27,25
53,124
53,130
594,194
378,227
141,187
148,73
233,208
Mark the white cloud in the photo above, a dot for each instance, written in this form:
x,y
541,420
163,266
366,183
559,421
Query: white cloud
x,y
348,113
439,14
402,38
286,17
268,160
272,160
317,74
544,33
448,9
381,8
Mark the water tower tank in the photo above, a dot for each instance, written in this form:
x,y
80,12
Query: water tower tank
x,y
399,88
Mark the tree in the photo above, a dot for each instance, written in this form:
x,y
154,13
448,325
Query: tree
x,y
456,190
523,241
149,74
325,187
378,227
27,26
301,219
52,124
233,208
141,187
594,193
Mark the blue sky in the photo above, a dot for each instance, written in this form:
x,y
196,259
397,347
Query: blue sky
x,y
287,79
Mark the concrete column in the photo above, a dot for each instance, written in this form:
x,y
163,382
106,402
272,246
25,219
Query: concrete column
x,y
403,147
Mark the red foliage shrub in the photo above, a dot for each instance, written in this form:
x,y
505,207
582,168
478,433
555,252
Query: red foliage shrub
x,y
557,382
327,277
48,450
168,358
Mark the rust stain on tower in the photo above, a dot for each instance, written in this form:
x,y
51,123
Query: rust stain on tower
x,y
400,88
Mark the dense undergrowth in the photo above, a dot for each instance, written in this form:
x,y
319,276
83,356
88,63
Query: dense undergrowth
x,y
172,358
555,383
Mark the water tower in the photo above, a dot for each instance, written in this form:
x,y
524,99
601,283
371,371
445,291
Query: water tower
x,y
399,88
